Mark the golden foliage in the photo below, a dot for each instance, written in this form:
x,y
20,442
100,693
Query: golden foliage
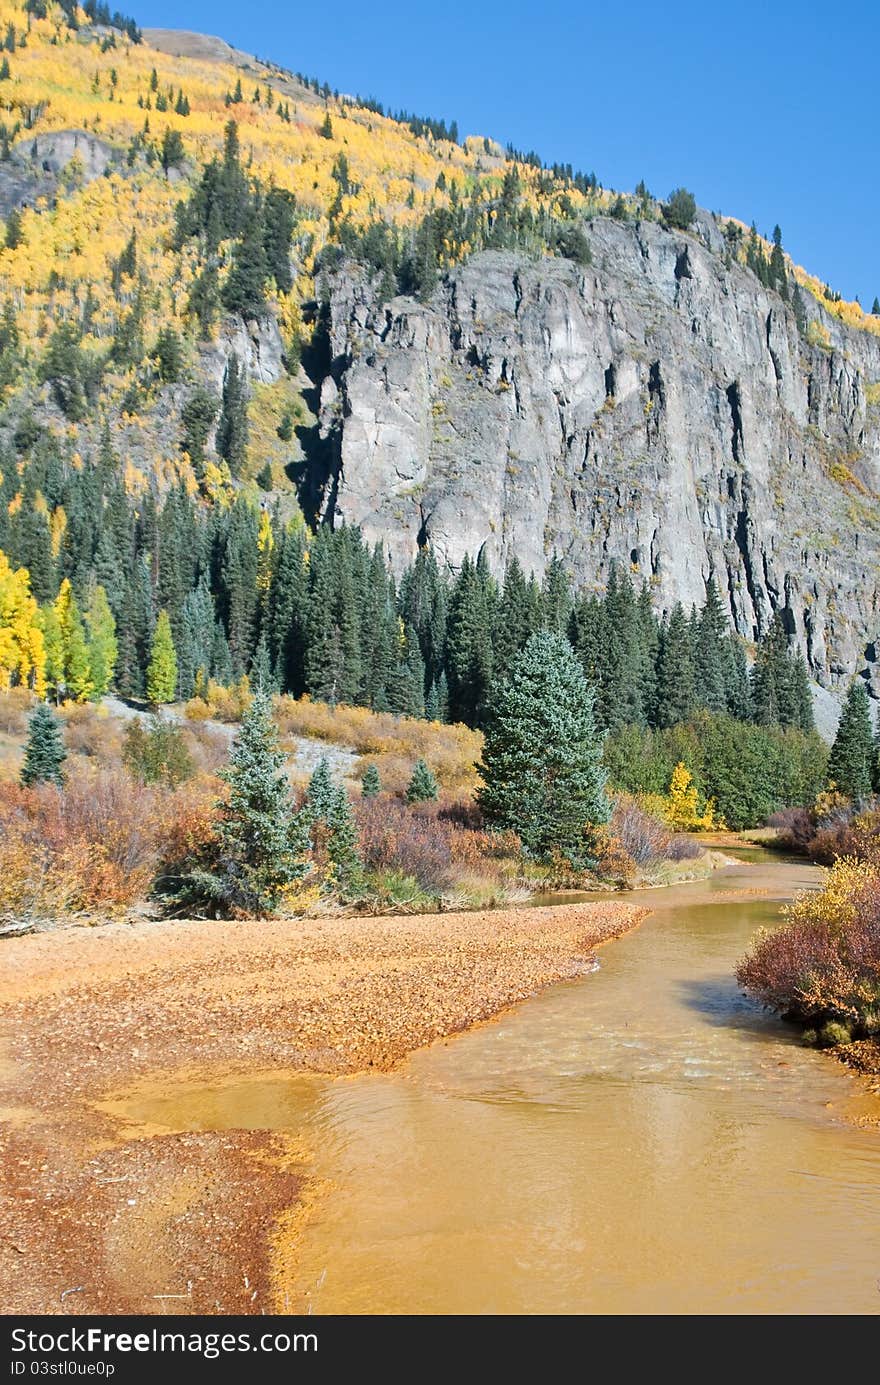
x,y
22,650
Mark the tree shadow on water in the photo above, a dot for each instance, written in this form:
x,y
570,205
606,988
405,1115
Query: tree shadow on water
x,y
723,1005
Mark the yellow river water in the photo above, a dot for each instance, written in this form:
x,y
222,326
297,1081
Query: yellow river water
x,y
643,1140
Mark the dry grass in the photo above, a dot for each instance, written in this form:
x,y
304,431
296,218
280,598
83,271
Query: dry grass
x,y
392,743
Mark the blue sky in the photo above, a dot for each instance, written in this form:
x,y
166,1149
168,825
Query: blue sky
x,y
767,111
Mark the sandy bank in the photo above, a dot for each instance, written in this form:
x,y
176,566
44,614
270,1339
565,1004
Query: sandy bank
x,y
149,1222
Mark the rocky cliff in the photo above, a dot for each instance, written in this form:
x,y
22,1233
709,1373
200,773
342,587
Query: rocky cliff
x,y
658,408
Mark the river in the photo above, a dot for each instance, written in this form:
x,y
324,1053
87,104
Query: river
x,y
643,1140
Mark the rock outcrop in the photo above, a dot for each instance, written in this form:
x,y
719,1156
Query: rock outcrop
x,y
658,408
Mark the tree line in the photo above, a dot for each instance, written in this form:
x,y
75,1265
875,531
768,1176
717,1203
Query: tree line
x,y
247,593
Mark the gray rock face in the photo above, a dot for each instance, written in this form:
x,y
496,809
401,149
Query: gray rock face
x,y
658,409
257,344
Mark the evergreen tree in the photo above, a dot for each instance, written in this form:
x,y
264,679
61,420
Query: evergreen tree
x,y
851,761
286,610
232,430
332,824
710,652
14,232
261,677
162,668
238,582
556,598
875,310
245,289
371,784
541,770
278,221
197,638
422,787
263,842
780,682
469,643
197,417
44,753
520,615
676,690
169,355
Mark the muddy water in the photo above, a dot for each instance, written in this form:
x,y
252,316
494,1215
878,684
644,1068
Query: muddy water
x,y
641,1141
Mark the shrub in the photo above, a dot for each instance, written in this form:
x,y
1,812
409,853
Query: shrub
x,y
94,847
640,834
391,742
157,754
823,966
795,827
683,848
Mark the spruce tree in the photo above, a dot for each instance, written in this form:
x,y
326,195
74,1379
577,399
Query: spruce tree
x,y
710,652
875,310
676,690
780,682
469,642
44,753
263,841
331,820
851,761
541,767
422,787
371,784
232,430
162,668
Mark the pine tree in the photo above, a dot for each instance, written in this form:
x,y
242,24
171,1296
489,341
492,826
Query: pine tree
x,y
469,642
556,598
245,289
875,310
14,232
162,668
44,753
232,430
519,616
260,676
332,824
780,682
371,784
851,761
422,787
198,620
327,127
286,609
676,691
710,652
263,842
541,768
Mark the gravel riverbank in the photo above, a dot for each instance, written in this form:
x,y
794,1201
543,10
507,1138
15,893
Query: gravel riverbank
x,y
101,1217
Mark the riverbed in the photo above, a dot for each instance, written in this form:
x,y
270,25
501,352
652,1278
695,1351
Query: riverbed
x,y
640,1140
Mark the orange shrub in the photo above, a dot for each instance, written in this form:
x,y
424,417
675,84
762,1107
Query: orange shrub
x,y
93,847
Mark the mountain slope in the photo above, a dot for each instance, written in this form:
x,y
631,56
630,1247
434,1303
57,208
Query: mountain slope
x,y
224,277
658,409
